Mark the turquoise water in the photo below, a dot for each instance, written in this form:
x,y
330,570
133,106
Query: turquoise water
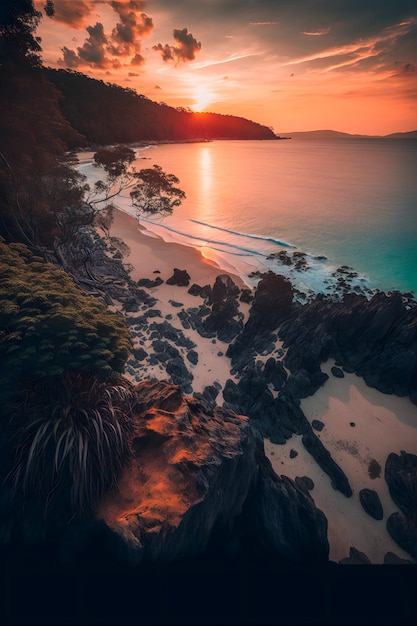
x,y
352,201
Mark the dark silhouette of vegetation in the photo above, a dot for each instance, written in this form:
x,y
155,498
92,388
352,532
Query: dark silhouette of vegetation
x,y
105,113
153,190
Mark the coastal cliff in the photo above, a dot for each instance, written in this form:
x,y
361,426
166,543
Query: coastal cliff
x,y
199,481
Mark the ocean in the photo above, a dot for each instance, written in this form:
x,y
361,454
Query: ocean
x,y
324,213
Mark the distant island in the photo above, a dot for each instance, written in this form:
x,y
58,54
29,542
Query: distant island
x,y
334,134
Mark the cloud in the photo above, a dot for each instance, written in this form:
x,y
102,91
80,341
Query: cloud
x,y
103,51
73,13
317,33
262,23
133,26
186,49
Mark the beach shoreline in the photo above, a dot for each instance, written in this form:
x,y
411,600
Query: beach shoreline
x,y
338,403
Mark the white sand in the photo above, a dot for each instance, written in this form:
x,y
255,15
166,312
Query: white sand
x,y
383,423
150,253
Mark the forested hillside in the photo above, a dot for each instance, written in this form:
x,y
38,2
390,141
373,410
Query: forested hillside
x,y
105,113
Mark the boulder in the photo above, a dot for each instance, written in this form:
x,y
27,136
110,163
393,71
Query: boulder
x,y
401,477
371,503
390,558
180,278
273,299
323,457
355,558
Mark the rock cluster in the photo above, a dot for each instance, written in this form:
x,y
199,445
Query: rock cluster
x,y
197,473
376,339
401,477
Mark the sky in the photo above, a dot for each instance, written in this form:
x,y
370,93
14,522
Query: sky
x,y
293,65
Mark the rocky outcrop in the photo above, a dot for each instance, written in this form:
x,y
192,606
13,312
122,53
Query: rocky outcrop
x,y
401,477
371,503
375,338
323,457
197,473
356,557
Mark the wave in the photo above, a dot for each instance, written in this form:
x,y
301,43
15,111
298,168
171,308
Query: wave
x,y
247,251
235,232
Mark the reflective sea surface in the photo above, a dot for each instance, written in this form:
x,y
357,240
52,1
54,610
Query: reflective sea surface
x,y
353,202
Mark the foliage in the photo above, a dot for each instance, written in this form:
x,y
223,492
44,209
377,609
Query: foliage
x,y
71,438
153,189
155,193
67,408
18,23
48,327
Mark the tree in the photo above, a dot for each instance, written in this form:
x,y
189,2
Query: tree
x,y
64,401
153,189
18,23
154,193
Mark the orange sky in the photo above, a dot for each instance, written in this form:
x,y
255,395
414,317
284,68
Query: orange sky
x,y
347,65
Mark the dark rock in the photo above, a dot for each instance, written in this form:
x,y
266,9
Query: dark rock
x,y
352,424
293,454
131,304
317,425
390,558
337,372
163,347
274,373
154,313
179,373
139,354
229,488
166,330
273,299
192,356
401,477
148,283
305,483
224,288
404,532
246,296
303,383
323,457
180,278
355,558
210,393
371,503
290,416
195,290
376,339
175,304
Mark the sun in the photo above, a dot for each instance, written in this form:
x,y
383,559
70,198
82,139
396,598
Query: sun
x,y
202,98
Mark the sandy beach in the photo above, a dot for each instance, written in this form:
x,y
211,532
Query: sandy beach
x,y
360,424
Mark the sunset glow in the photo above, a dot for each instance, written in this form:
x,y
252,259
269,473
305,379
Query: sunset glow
x,y
292,66
202,99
